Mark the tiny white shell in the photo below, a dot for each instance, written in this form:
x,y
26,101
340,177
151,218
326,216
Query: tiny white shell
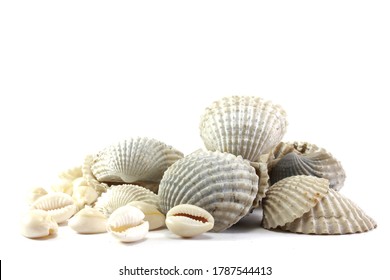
x,y
38,223
59,205
88,220
84,195
155,218
71,173
127,225
63,186
34,194
188,220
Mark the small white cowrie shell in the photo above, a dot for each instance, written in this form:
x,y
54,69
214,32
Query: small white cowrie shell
x,y
38,223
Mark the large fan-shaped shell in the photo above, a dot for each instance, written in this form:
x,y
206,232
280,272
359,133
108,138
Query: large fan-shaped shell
x,y
307,159
243,125
120,195
290,198
135,159
334,214
221,183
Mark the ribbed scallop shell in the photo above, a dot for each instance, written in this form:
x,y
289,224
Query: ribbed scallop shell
x,y
243,125
307,159
290,198
120,195
59,205
334,214
135,159
221,183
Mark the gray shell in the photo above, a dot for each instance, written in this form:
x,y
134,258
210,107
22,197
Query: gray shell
x,y
334,214
306,159
243,125
221,183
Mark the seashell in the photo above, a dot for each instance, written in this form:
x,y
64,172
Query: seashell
x,y
59,205
120,195
334,214
223,184
308,159
188,220
155,218
71,173
262,173
38,223
132,160
63,186
88,220
84,195
90,178
291,197
34,194
126,224
243,125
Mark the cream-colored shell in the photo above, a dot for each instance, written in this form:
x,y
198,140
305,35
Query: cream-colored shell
x,y
59,205
188,220
34,194
71,173
88,220
120,195
63,186
302,158
38,223
290,198
90,178
127,225
334,214
223,184
132,160
243,125
155,218
84,194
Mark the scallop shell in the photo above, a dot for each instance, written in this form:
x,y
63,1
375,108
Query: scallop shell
x,y
243,125
334,214
38,223
188,220
291,197
308,159
126,224
90,178
132,160
120,195
155,218
59,205
88,220
223,184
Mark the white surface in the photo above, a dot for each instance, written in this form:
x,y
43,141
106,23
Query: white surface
x,y
79,75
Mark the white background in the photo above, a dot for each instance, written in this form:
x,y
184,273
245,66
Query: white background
x,y
78,75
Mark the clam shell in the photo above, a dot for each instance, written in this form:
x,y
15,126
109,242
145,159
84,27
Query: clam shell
x,y
290,198
90,178
88,220
308,159
223,184
334,214
120,195
243,125
126,224
155,218
188,220
132,160
38,223
59,205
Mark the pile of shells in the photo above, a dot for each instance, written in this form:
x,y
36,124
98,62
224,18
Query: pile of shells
x,y
142,184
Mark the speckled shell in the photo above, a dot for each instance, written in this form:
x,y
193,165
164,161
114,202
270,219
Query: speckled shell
x,y
132,160
59,205
120,195
290,198
223,184
334,214
243,125
300,158
188,220
127,225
